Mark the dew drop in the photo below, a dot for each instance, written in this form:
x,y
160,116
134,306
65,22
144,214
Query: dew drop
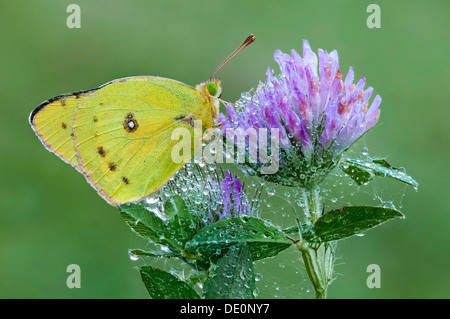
x,y
132,256
152,200
365,151
402,170
270,191
165,248
242,274
388,204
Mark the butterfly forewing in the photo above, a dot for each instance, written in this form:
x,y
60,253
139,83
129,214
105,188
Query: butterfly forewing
x,y
123,134
52,123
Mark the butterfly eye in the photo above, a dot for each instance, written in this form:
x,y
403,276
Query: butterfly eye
x,y
212,88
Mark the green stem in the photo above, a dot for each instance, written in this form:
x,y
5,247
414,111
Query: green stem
x,y
319,261
318,258
313,205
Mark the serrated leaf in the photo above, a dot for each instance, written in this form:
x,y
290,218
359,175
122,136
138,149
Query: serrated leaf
x,y
162,285
264,240
347,222
146,224
233,277
363,171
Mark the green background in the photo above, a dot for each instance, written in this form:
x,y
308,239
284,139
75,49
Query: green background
x,y
50,217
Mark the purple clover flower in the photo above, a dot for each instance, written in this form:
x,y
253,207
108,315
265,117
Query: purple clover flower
x,y
234,200
208,197
318,114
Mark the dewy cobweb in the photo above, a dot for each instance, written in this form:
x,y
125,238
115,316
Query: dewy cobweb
x,y
210,194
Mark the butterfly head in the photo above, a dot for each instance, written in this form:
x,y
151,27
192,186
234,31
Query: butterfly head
x,y
212,90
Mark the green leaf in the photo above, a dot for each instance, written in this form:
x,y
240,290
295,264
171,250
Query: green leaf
x,y
162,285
148,225
139,252
348,221
264,240
180,219
233,277
362,171
291,230
358,174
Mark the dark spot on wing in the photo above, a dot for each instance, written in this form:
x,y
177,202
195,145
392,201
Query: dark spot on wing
x,y
71,134
95,118
130,124
112,166
63,102
178,118
64,125
188,119
101,151
125,180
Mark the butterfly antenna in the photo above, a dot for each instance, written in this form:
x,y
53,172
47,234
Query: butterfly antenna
x,y
244,44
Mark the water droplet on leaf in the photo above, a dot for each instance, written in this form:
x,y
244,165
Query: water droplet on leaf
x,y
132,256
365,151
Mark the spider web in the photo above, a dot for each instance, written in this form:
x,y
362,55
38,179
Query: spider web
x,y
285,276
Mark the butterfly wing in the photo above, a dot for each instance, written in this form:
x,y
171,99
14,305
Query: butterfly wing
x,y
123,134
52,122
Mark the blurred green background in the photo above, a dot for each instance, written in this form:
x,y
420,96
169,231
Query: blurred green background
x,y
50,217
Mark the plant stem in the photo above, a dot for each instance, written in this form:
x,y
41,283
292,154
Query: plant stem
x,y
313,205
318,258
319,261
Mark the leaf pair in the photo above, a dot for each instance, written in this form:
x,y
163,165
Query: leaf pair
x,y
180,233
227,248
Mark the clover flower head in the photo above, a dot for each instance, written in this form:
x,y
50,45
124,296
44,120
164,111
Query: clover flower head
x,y
317,112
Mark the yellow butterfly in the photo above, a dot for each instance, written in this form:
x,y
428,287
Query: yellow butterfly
x,y
119,135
